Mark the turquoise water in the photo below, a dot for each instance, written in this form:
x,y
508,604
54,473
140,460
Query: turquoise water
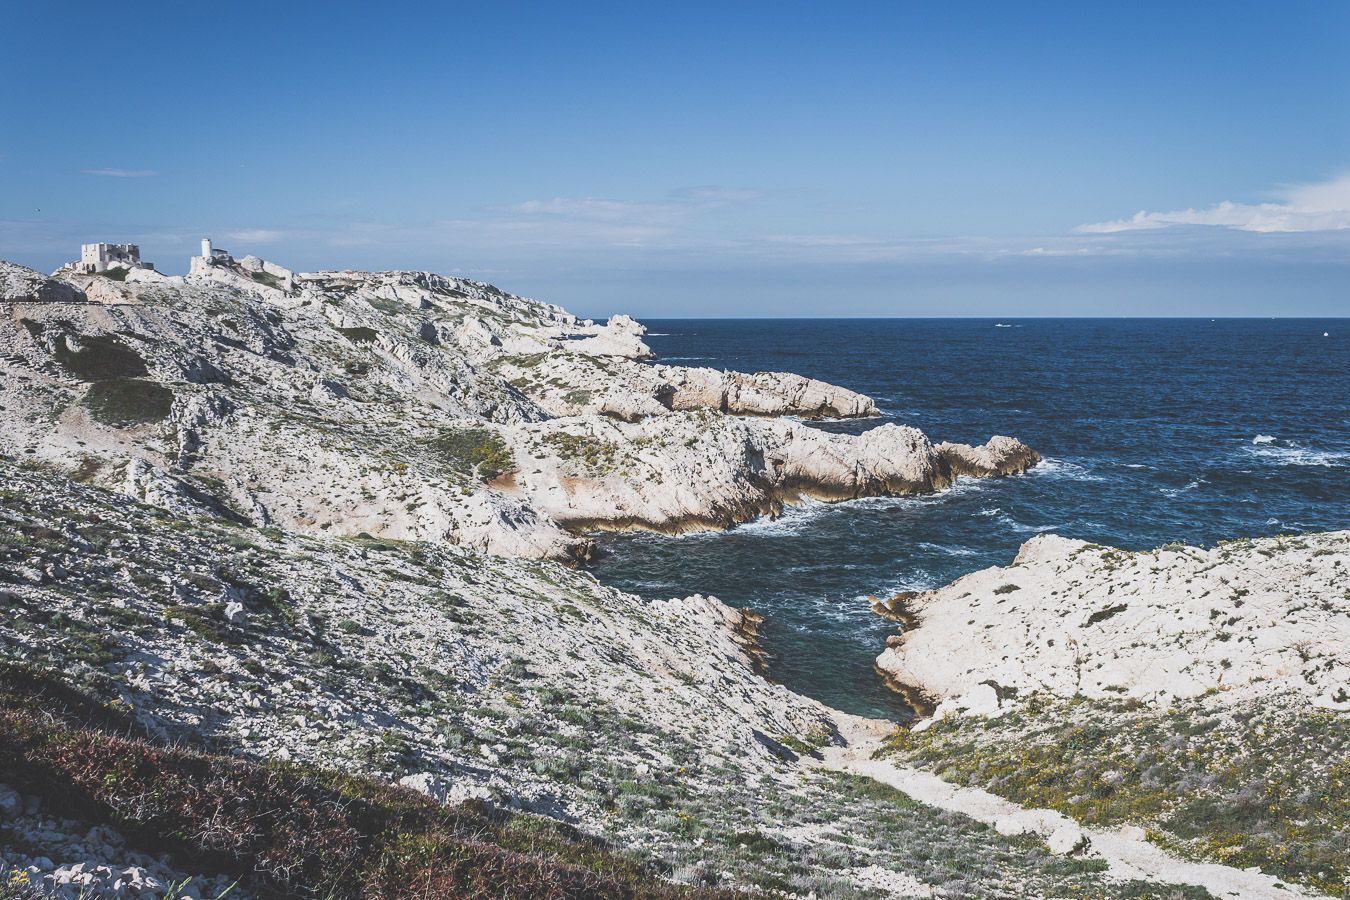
x,y
1153,431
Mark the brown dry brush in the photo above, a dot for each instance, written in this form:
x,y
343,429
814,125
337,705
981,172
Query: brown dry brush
x,y
287,829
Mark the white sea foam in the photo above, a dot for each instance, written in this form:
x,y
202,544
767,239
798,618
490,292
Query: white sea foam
x,y
791,521
1298,455
816,420
1189,486
1000,516
949,549
1050,467
1022,528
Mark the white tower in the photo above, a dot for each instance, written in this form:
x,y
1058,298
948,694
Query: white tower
x,y
206,248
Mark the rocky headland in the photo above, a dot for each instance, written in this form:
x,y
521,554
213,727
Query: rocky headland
x,y
418,407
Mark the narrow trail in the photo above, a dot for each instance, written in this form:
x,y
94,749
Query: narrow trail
x,y
1127,853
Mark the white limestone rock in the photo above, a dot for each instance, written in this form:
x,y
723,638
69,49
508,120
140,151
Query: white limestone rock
x,y
621,336
19,284
1243,619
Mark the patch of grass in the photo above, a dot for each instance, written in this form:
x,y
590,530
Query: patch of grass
x,y
291,830
268,279
1257,785
1102,615
578,397
132,401
478,451
206,622
595,454
100,356
359,334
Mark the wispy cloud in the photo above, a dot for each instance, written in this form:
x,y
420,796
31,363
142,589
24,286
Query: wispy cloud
x,y
1321,206
120,173
595,210
682,205
715,193
256,235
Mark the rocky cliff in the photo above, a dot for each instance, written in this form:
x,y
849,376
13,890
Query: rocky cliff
x,y
1243,619
414,406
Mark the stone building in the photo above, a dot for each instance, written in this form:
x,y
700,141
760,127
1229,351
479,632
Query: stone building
x,y
210,256
102,257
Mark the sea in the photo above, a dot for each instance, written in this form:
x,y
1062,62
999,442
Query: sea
x,y
1153,430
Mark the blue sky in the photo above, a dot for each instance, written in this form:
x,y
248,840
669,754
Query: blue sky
x,y
707,159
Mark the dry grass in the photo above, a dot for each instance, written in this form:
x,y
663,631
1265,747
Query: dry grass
x,y
289,830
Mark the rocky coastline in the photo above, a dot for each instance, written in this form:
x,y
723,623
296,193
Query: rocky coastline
x,y
284,612
417,407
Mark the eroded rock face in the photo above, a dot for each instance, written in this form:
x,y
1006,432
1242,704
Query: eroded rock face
x,y
414,406
1068,618
1002,455
23,285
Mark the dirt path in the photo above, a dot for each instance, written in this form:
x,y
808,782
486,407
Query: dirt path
x,y
1124,849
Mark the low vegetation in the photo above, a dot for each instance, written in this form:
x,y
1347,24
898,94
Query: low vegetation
x,y
597,455
474,451
291,830
97,357
359,334
1263,784
131,401
268,279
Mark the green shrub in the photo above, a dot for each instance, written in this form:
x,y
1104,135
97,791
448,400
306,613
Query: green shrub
x,y
128,402
1257,785
595,454
479,451
360,334
100,356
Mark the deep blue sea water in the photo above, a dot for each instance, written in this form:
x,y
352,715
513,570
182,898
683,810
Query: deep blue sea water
x,y
1153,431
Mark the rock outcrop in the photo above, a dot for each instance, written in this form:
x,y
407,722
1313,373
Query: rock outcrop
x,y
1241,620
23,285
414,406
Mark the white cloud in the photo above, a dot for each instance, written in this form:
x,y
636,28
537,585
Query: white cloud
x,y
1060,251
120,173
255,235
715,193
684,204
1321,206
596,210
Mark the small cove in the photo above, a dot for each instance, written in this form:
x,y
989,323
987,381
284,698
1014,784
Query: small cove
x,y
1149,428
